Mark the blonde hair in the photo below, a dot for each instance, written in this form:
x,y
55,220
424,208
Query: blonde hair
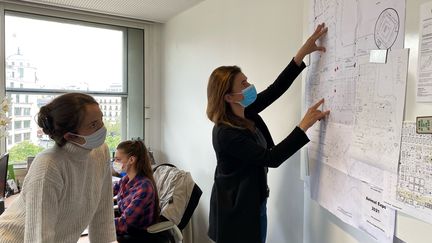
x,y
218,110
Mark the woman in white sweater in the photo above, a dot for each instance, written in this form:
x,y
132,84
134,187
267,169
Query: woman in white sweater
x,y
68,186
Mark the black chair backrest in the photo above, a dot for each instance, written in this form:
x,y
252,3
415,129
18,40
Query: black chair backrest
x,y
193,203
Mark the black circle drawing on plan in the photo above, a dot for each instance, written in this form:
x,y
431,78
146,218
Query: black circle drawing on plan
x,y
386,28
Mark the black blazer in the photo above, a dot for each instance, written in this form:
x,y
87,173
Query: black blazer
x,y
240,182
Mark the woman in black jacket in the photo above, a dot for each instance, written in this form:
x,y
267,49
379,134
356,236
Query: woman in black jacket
x,y
245,149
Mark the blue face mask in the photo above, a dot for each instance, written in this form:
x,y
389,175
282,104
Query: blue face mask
x,y
249,94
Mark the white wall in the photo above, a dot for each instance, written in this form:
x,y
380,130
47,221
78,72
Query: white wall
x,y
261,37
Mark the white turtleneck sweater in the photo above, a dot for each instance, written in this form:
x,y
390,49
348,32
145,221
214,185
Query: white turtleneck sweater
x,y
66,189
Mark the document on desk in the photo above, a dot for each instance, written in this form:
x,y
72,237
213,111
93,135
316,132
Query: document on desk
x,y
424,81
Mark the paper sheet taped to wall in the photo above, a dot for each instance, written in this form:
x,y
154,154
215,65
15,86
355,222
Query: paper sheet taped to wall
x,y
424,82
413,194
359,143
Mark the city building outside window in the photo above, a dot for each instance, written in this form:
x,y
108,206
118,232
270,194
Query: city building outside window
x,y
27,110
17,138
95,65
18,124
17,111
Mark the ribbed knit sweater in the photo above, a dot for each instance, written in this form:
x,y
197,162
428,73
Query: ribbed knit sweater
x,y
66,189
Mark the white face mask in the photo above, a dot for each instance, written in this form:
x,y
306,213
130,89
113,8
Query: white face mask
x,y
94,140
117,166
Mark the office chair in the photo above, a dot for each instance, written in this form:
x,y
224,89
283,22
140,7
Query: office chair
x,y
176,208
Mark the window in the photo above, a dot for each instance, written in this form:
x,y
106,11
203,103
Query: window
x,y
17,138
27,110
43,44
97,53
47,68
17,124
21,72
17,111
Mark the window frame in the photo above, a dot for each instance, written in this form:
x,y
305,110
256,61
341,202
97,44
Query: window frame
x,y
133,96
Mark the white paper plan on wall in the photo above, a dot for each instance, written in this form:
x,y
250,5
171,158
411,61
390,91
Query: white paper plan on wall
x,y
373,138
359,143
424,81
413,194
380,101
348,162
366,101
354,202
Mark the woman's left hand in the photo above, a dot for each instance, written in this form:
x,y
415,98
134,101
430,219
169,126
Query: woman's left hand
x,y
310,45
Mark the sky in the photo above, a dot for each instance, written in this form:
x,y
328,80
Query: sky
x,y
68,54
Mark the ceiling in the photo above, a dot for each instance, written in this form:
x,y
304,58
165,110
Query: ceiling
x,y
152,10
